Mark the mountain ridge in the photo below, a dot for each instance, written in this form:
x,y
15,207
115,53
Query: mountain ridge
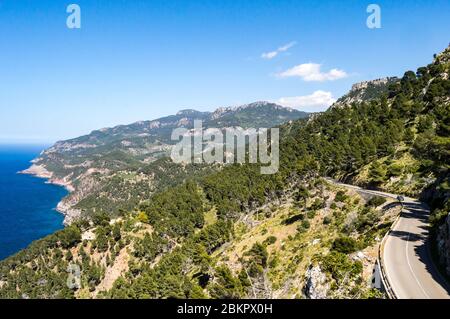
x,y
79,164
200,115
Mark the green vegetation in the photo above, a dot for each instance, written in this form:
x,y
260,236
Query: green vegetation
x,y
376,201
345,245
340,266
180,232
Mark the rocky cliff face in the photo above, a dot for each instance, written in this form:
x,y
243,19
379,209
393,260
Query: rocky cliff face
x,y
365,91
316,286
439,193
443,244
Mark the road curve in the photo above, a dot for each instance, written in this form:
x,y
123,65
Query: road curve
x,y
405,257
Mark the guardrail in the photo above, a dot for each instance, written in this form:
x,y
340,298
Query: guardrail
x,y
384,279
387,286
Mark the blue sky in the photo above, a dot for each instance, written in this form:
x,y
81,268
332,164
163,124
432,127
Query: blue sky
x,y
138,60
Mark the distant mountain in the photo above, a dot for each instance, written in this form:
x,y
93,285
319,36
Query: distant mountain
x,y
148,140
258,115
88,163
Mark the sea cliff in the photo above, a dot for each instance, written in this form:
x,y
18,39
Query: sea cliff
x,y
64,206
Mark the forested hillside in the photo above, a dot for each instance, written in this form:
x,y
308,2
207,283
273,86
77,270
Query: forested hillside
x,y
114,169
235,233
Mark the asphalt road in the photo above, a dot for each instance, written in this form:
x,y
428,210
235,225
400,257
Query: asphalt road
x,y
408,266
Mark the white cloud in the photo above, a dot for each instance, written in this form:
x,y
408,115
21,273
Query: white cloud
x,y
316,102
272,54
311,72
269,55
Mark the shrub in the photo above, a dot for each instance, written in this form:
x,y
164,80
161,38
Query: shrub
x,y
395,169
438,217
317,204
376,201
101,240
345,245
116,232
340,196
311,214
306,224
258,254
270,240
377,173
339,266
367,218
293,219
327,220
69,236
100,219
274,261
303,226
227,286
142,217
302,194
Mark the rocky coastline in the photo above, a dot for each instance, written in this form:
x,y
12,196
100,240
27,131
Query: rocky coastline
x,y
64,206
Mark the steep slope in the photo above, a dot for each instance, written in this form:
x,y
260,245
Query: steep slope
x,y
235,233
399,142
195,253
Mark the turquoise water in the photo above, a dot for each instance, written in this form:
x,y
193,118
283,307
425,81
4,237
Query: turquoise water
x,y
27,203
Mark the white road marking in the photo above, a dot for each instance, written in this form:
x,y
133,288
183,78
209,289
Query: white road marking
x,y
410,267
434,286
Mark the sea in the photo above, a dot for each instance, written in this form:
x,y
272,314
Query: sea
x,y
27,203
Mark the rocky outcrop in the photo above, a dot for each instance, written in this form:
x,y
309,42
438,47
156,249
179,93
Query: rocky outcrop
x,y
365,91
316,286
65,206
443,244
70,214
42,172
